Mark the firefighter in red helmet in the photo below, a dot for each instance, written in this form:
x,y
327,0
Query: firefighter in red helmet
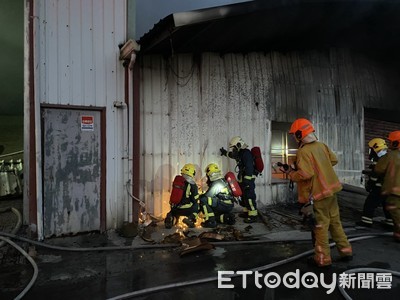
x,y
317,185
217,202
389,167
246,176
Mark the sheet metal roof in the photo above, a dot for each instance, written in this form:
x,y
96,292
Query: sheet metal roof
x,y
278,25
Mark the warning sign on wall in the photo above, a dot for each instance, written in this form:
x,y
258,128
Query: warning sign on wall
x,y
87,123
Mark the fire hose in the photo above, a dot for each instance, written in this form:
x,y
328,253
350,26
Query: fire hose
x,y
186,283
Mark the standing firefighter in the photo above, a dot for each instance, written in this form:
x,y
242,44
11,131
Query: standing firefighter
x,y
377,150
217,202
246,176
184,198
389,167
317,185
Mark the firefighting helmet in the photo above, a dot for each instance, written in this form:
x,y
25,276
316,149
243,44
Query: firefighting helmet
x,y
212,169
301,128
189,169
237,142
394,138
377,144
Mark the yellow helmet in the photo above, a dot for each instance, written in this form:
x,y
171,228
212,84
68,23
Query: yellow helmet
x,y
189,169
238,142
213,172
377,144
212,169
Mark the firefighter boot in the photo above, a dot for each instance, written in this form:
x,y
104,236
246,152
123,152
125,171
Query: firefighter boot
x,y
228,219
169,221
189,222
210,223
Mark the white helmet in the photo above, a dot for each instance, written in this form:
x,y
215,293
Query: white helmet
x,y
237,142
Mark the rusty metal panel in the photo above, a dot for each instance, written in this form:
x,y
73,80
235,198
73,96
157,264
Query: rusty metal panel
x,y
71,171
192,106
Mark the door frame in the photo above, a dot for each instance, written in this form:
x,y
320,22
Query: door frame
x,y
103,154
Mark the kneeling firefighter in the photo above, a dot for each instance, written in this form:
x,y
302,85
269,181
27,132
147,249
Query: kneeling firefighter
x,y
184,198
217,202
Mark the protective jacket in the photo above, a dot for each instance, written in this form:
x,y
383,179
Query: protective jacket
x,y
315,176
191,194
389,165
245,164
219,191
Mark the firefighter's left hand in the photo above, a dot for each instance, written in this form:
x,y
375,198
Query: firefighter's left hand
x,y
223,151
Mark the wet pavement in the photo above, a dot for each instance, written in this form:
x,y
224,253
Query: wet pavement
x,y
159,271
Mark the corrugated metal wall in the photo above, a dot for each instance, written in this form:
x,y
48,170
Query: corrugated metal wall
x,y
76,63
191,106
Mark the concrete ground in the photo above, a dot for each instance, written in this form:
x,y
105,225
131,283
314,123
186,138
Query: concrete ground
x,y
156,263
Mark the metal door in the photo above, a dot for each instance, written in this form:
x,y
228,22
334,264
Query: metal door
x,y
71,171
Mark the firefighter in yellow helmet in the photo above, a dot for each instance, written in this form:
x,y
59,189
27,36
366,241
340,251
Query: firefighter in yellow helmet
x,y
188,205
217,202
377,150
389,167
317,185
246,176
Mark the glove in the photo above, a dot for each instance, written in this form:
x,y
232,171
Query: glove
x,y
224,196
223,151
307,210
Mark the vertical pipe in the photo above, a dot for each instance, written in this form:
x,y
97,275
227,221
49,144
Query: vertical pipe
x,y
136,141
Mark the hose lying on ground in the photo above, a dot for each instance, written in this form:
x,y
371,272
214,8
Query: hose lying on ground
x,y
19,220
198,281
359,270
30,259
214,278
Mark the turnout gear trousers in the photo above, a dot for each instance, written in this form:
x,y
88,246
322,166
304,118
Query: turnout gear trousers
x,y
328,221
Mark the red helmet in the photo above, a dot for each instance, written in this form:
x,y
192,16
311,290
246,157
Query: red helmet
x,y
394,138
301,128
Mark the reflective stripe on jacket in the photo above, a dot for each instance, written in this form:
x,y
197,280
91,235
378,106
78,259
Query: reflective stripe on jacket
x,y
315,175
389,166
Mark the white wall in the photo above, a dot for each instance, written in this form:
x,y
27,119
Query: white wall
x,y
76,63
192,107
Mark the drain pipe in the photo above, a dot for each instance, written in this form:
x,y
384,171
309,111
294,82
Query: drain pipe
x,y
19,220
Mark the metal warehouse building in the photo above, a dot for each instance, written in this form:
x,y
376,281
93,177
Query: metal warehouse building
x,y
103,134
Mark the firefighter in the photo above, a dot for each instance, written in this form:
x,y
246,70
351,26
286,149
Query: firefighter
x,y
318,185
188,206
217,202
246,176
377,150
389,167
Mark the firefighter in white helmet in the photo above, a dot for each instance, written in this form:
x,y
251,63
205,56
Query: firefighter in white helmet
x,y
188,205
246,176
317,185
217,202
377,150
389,167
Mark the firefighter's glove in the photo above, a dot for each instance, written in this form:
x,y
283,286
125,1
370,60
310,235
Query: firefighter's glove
x,y
225,196
223,151
307,211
